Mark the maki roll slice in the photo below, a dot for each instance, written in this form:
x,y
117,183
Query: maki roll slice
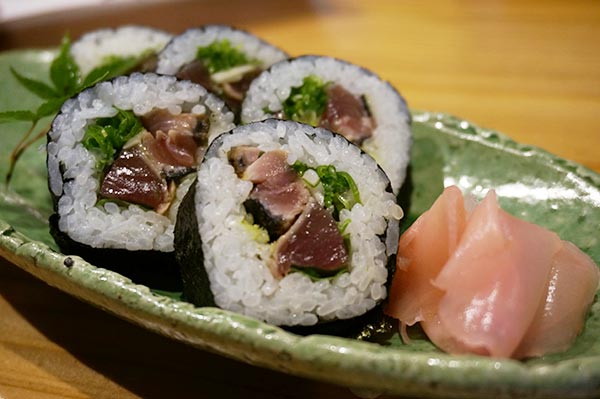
x,y
119,156
221,58
96,56
342,97
122,50
287,223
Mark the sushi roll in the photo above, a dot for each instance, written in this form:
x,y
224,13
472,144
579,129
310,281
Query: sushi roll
x,y
287,223
339,96
221,58
119,159
131,48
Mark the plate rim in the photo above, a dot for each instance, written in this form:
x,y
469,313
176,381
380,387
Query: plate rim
x,y
389,370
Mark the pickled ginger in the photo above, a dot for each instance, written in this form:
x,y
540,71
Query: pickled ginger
x,y
485,282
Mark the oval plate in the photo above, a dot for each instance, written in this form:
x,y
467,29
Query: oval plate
x,y
530,183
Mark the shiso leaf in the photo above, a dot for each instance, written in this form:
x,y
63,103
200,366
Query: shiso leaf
x,y
15,116
50,107
307,102
36,87
64,71
66,81
96,75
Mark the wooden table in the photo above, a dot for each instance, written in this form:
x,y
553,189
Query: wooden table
x,y
529,69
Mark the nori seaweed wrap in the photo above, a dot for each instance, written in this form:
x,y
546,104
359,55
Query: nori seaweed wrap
x,y
124,49
342,97
221,58
287,223
121,156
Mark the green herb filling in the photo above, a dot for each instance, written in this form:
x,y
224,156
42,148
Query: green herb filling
x,y
306,103
339,188
339,192
316,274
108,135
221,56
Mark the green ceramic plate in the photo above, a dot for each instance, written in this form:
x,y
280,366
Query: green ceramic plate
x,y
531,183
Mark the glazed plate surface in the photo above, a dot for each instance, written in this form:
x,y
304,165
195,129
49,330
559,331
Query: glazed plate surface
x,y
530,183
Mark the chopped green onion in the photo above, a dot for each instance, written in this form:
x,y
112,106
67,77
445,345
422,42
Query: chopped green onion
x,y
342,226
306,103
222,55
339,188
108,135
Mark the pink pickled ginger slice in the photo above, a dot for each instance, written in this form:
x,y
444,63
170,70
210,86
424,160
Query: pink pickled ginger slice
x,y
569,294
489,283
495,280
422,252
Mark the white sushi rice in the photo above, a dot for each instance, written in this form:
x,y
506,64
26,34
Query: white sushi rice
x,y
183,48
392,139
236,261
71,168
93,48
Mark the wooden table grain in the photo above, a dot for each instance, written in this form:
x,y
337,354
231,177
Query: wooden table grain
x,y
529,69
